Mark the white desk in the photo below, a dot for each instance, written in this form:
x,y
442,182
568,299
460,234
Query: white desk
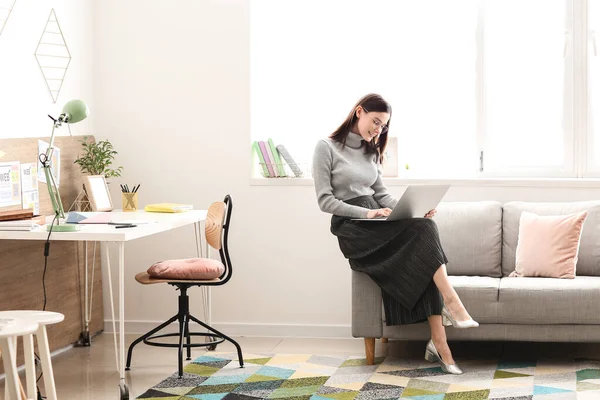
x,y
108,233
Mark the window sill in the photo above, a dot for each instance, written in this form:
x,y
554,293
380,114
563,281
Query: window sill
x,y
487,182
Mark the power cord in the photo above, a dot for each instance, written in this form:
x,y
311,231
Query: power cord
x,y
46,254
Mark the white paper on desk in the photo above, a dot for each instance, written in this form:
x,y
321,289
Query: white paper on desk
x,y
136,222
10,184
54,163
29,188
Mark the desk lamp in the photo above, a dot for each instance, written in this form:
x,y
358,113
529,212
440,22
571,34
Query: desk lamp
x,y
73,112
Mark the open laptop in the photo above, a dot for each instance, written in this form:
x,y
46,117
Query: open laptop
x,y
416,201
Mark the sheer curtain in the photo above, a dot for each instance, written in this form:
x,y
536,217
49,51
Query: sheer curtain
x,y
312,60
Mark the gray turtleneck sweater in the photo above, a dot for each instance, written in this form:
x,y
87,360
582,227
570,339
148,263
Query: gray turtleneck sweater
x,y
342,174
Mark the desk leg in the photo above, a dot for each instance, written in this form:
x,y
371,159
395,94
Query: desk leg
x,y
198,235
122,384
120,348
208,296
85,335
202,251
89,293
205,251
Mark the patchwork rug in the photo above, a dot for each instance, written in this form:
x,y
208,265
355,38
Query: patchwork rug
x,y
312,377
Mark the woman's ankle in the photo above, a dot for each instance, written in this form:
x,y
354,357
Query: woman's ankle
x,y
453,302
457,309
443,349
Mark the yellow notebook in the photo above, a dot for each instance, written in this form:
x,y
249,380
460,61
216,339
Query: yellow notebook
x,y
168,207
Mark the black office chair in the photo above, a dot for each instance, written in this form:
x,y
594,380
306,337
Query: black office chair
x,y
216,230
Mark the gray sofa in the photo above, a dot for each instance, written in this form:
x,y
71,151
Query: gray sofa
x,y
480,240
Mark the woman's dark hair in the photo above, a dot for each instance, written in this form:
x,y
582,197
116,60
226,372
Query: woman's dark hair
x,y
370,102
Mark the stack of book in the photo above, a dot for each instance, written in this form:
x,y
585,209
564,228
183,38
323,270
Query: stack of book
x,y
18,220
273,160
168,207
20,225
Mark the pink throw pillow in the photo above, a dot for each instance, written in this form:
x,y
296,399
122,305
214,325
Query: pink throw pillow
x,y
190,268
548,246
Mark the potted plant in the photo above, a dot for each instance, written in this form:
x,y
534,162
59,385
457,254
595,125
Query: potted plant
x,y
97,159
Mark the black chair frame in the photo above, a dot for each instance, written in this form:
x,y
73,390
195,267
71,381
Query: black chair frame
x,y
184,317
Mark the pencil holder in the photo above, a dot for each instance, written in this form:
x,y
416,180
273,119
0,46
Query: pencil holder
x,y
130,201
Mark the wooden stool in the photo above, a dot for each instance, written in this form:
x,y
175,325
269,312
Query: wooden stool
x,y
41,319
21,390
10,330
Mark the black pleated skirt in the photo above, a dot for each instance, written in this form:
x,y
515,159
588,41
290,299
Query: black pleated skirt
x,y
400,256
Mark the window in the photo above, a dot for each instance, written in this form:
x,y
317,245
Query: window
x,y
526,79
478,88
593,84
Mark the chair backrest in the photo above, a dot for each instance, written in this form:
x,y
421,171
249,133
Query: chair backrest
x,y
214,224
216,231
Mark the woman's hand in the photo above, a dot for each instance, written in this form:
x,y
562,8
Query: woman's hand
x,y
382,212
431,213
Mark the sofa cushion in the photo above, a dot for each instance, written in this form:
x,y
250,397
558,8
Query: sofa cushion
x,y
589,251
471,236
479,295
549,301
548,245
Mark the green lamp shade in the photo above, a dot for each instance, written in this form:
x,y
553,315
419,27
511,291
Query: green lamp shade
x,y
75,111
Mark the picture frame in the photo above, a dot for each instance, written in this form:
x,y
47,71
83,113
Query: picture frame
x,y
390,166
97,191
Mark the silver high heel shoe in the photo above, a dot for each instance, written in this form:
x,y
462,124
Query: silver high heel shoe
x,y
432,355
448,320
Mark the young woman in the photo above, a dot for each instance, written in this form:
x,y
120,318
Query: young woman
x,y
405,258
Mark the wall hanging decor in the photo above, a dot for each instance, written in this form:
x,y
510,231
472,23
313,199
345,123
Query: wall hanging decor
x,y
53,56
6,7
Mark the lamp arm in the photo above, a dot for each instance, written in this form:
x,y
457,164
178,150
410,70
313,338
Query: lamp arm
x,y
54,194
50,148
50,183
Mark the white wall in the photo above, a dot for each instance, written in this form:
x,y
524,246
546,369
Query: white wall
x,y
25,100
172,93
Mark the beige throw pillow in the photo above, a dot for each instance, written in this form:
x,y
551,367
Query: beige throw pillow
x,y
548,245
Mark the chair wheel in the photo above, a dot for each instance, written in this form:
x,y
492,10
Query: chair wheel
x,y
212,347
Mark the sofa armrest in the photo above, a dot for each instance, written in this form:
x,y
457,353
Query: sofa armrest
x,y
367,321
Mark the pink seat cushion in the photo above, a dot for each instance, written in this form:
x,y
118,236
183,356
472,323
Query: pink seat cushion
x,y
548,246
188,268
